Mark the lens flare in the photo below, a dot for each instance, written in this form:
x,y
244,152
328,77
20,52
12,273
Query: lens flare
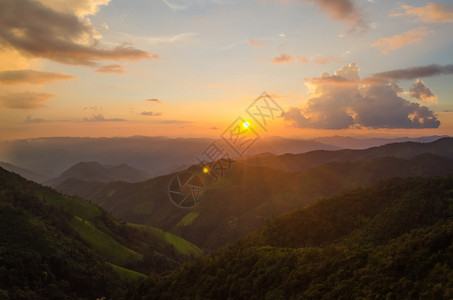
x,y
206,170
246,124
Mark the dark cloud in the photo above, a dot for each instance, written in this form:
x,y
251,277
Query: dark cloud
x,y
414,72
420,91
154,100
174,122
100,118
25,100
29,119
340,101
112,69
151,114
31,76
38,31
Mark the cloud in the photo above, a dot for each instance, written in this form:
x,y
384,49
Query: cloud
x,y
415,72
151,114
214,128
39,31
112,69
25,100
398,41
328,59
79,8
100,118
177,5
154,100
342,106
31,76
256,44
431,12
29,119
420,91
341,10
285,58
174,122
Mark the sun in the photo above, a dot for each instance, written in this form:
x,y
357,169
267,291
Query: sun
x,y
206,169
246,124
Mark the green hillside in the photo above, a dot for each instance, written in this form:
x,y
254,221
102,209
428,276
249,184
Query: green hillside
x,y
248,196
55,246
393,240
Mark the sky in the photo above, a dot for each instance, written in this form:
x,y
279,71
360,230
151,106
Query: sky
x,y
189,68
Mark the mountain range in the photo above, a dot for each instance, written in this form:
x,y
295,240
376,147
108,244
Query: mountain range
x,y
261,187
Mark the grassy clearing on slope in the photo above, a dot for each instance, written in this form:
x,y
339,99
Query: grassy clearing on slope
x,y
105,244
127,274
188,219
77,207
180,245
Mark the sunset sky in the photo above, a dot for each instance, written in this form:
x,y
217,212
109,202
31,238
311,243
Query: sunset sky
x,y
190,68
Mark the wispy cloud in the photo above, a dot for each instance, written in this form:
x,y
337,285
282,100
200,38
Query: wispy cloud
x,y
328,59
31,76
177,5
100,118
256,44
415,72
398,41
286,58
112,69
431,12
154,100
29,119
341,10
25,100
151,114
175,122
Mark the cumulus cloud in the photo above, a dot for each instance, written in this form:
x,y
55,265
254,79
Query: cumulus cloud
x,y
100,118
151,114
112,69
286,58
431,12
36,30
25,100
31,76
353,104
389,44
420,91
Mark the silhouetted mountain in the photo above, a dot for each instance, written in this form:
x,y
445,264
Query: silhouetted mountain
x,y
58,247
347,142
390,241
247,196
155,155
93,171
304,161
28,174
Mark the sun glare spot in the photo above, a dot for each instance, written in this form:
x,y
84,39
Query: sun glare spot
x,y
206,170
246,124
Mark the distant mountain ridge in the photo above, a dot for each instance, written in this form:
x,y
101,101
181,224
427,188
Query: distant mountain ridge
x,y
94,171
28,174
303,161
250,194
